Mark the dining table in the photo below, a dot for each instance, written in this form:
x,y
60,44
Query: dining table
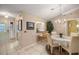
x,y
65,40
61,39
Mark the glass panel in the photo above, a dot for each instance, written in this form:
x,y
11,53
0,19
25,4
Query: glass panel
x,y
4,37
2,27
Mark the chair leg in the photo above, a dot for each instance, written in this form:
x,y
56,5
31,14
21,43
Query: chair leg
x,y
48,47
70,53
60,49
51,50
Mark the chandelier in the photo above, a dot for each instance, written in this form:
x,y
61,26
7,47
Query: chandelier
x,y
60,19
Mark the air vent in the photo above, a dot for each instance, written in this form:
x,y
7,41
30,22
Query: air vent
x,y
52,9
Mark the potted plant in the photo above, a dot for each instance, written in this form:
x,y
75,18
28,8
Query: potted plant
x,y
49,26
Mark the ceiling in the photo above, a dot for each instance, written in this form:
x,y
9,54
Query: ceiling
x,y
44,11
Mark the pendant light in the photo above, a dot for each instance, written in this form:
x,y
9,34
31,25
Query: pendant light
x,y
60,15
61,19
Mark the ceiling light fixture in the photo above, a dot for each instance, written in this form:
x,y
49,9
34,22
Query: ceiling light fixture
x,y
78,26
61,19
58,21
6,16
61,14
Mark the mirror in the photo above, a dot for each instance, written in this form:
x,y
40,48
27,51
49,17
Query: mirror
x,y
40,27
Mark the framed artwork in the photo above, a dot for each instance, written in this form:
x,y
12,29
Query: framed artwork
x,y
40,27
30,25
20,25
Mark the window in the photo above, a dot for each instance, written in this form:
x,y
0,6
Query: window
x,y
2,27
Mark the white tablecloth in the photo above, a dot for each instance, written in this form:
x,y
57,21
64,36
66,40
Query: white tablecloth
x,y
65,40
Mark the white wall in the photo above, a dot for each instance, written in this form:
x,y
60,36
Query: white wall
x,y
74,15
28,37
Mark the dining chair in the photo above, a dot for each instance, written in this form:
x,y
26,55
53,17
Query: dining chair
x,y
45,36
42,37
39,37
50,43
73,46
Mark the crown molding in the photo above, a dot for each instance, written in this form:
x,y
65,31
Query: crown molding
x,y
70,11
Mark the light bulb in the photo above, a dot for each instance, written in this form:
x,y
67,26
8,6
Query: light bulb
x,y
55,21
77,25
59,21
6,16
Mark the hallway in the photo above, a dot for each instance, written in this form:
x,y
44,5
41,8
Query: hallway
x,y
21,25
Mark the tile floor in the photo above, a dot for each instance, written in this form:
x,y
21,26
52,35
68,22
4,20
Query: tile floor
x,y
33,49
36,48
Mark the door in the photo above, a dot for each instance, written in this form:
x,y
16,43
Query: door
x,y
4,37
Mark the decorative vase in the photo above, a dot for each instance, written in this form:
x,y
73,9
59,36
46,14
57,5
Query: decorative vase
x,y
61,35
